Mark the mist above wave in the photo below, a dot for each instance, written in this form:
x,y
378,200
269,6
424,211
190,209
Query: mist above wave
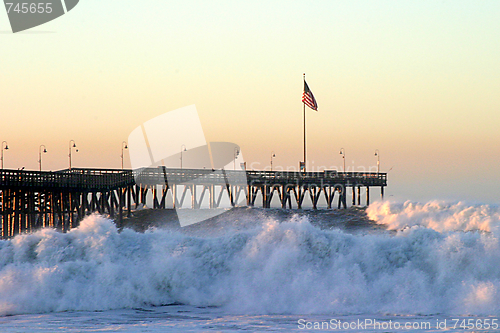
x,y
437,215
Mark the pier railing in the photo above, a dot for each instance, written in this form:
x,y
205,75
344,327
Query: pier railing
x,y
81,179
106,179
252,177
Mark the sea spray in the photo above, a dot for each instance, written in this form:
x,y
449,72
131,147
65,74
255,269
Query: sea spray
x,y
272,266
437,215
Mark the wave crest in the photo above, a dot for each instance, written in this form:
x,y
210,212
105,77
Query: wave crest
x,y
276,266
438,215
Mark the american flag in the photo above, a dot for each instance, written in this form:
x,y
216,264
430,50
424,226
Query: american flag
x,y
308,98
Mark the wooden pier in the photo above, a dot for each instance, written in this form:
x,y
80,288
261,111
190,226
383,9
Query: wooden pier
x,y
30,200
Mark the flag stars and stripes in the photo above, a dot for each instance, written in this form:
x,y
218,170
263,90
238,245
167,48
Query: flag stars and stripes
x,y
308,98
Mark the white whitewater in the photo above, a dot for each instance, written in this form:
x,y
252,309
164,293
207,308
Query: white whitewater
x,y
437,215
435,259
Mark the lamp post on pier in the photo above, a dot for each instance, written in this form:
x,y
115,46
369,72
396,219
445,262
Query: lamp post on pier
x,y
70,148
273,155
124,146
4,147
342,152
377,153
183,146
236,153
40,155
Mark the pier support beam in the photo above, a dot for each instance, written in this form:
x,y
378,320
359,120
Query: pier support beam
x,y
354,195
368,196
359,195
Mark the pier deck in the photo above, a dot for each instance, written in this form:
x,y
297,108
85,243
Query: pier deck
x,y
60,199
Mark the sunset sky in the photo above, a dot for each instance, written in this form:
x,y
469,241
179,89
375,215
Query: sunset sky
x,y
417,80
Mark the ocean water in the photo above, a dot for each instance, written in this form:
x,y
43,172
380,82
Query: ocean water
x,y
402,266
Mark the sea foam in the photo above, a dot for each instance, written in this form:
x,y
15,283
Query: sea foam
x,y
272,266
438,215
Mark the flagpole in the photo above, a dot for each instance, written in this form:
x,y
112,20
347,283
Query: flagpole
x,y
305,156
